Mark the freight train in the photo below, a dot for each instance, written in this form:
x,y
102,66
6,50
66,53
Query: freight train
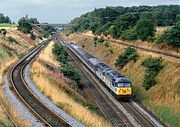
x,y
117,84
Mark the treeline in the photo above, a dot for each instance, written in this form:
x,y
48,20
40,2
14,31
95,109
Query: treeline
x,y
25,25
4,19
130,23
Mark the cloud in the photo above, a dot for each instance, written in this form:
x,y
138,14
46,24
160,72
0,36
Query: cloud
x,y
60,11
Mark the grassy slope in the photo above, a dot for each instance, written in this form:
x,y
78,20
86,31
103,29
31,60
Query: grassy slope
x,y
162,99
9,54
54,81
7,26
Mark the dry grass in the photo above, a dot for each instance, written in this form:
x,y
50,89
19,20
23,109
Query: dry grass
x,y
9,53
12,112
160,30
51,89
165,93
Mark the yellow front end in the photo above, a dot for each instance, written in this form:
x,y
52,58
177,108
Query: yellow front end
x,y
123,91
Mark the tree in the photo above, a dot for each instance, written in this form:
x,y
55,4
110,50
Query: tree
x,y
69,71
33,21
145,29
24,25
130,54
172,36
4,19
124,23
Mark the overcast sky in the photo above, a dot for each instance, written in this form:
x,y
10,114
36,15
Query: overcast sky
x,y
62,11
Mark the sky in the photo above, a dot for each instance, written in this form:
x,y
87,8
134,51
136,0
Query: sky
x,y
63,11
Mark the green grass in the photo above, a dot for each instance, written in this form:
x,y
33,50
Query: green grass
x,y
5,124
4,25
167,115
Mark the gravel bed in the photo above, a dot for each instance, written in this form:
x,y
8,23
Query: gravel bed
x,y
22,111
69,119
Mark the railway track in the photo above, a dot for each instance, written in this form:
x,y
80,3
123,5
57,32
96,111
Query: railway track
x,y
111,110
157,51
113,114
46,116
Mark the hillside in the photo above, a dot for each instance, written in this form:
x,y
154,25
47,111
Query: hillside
x,y
13,45
163,99
133,23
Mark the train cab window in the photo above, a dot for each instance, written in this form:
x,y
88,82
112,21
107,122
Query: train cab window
x,y
127,84
119,84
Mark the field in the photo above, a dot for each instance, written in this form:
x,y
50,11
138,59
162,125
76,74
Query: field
x,y
55,86
7,26
164,98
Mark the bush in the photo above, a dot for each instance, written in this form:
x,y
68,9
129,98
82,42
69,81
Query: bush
x,y
153,67
129,35
32,36
101,40
145,29
11,39
171,36
130,54
69,71
24,25
3,31
60,54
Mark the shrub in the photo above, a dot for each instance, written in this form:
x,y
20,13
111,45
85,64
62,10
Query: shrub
x,y
171,36
69,71
106,44
145,29
24,25
129,35
95,38
60,54
11,39
32,36
3,31
153,67
101,40
130,54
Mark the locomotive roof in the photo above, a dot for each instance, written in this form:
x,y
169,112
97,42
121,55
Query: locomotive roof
x,y
122,79
88,56
94,61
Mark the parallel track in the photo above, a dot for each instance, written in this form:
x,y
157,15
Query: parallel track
x,y
106,104
109,109
46,116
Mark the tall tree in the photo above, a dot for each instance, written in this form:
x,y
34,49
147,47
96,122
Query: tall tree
x,y
145,29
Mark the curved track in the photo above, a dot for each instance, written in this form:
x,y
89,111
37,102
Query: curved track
x,y
46,116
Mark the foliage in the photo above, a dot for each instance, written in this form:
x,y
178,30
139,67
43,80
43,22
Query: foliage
x,y
48,30
102,20
5,124
171,36
129,34
130,54
33,20
24,25
11,39
60,54
3,31
145,29
123,23
153,67
168,116
4,19
69,71
32,36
